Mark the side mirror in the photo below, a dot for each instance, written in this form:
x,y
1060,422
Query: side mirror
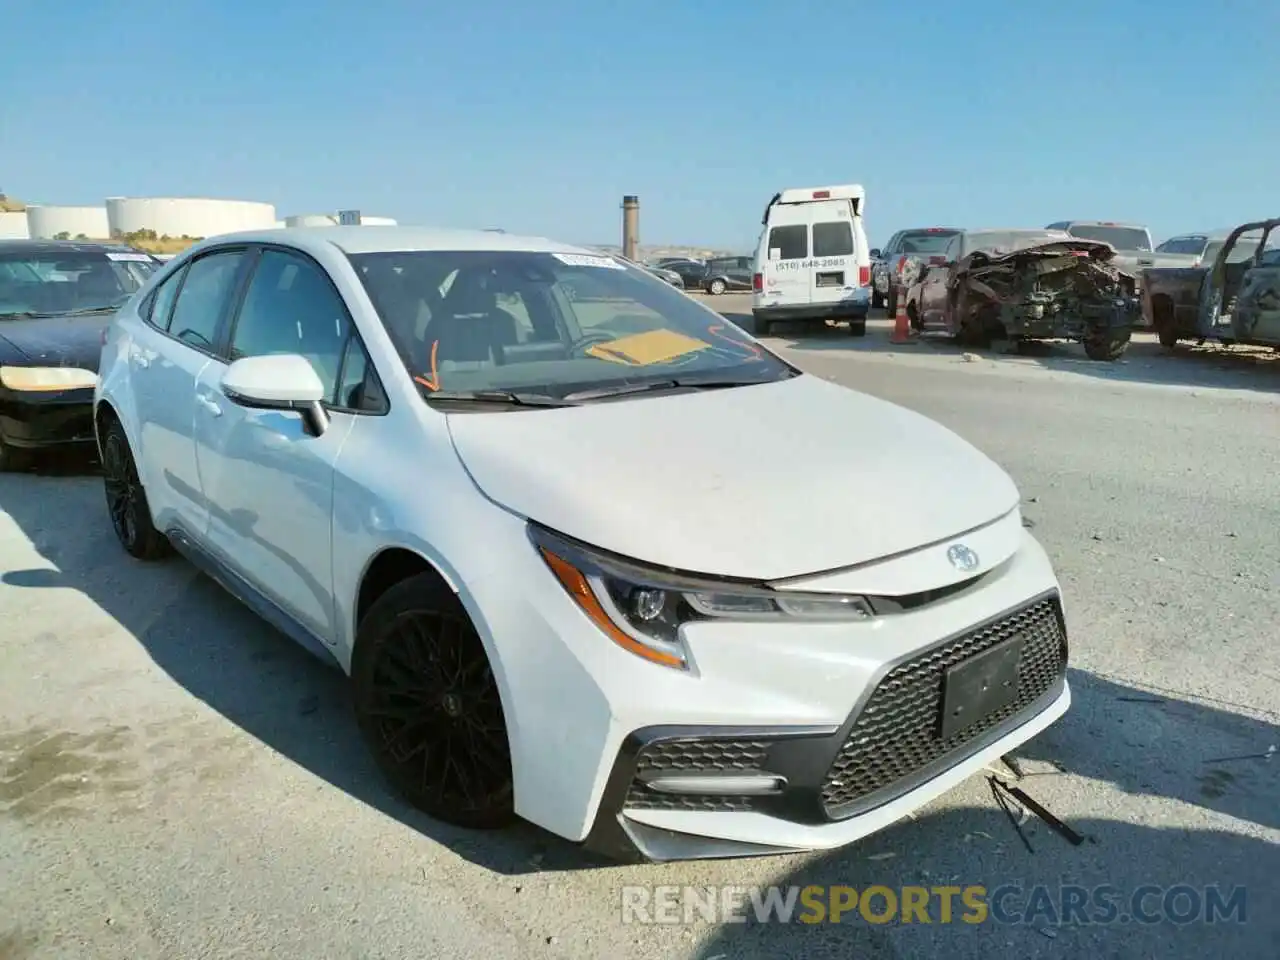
x,y
283,381
875,253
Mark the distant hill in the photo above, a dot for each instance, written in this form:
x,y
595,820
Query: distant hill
x,y
10,205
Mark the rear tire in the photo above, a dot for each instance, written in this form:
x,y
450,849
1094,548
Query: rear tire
x,y
427,705
877,299
1168,335
857,326
127,499
762,326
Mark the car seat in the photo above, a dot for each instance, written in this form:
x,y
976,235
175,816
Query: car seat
x,y
98,287
470,327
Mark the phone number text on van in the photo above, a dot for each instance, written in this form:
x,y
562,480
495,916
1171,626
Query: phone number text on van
x,y
805,264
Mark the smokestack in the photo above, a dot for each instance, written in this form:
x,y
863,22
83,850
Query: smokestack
x,y
631,227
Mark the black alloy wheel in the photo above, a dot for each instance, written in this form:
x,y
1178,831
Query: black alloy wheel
x,y
428,706
127,500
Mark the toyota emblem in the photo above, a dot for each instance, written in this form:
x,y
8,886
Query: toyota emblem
x,y
962,558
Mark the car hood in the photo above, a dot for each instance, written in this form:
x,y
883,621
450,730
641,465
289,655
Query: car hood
x,y
761,482
54,341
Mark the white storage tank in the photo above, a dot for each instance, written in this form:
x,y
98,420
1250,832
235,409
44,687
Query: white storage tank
x,y
187,216
13,225
51,222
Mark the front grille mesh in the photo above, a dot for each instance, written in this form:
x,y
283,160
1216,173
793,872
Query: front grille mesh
x,y
897,732
695,756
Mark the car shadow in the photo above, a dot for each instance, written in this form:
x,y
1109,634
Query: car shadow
x,y
1033,894
1156,746
225,656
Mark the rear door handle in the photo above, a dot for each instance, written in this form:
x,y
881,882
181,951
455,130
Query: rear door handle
x,y
141,359
214,408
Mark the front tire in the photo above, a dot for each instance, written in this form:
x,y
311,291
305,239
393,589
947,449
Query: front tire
x,y
127,500
715,288
427,705
877,299
1106,345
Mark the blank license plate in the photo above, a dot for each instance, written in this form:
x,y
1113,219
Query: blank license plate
x,y
979,686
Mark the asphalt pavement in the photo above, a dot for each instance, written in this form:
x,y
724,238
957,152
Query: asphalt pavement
x,y
178,781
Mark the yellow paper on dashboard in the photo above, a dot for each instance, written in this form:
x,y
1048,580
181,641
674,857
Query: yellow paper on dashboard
x,y
642,349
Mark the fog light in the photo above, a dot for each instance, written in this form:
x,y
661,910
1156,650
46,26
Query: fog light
x,y
648,604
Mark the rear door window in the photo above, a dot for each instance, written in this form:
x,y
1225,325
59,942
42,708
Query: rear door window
x,y
204,298
833,239
792,242
161,303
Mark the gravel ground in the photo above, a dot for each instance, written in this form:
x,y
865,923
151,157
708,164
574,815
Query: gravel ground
x,y
178,781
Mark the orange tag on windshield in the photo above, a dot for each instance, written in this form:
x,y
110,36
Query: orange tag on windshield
x,y
643,349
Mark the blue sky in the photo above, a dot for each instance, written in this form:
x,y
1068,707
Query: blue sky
x,y
538,117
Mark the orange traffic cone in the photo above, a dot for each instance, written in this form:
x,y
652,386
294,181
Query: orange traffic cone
x,y
901,325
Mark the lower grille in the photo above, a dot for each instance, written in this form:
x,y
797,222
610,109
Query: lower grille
x,y
708,756
896,735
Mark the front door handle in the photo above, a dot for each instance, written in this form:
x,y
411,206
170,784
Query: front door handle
x,y
214,408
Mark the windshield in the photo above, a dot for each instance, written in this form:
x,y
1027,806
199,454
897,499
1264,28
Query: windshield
x,y
933,241
1007,241
61,282
550,324
1243,250
1122,238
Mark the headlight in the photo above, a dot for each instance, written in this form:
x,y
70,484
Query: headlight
x,y
47,378
642,609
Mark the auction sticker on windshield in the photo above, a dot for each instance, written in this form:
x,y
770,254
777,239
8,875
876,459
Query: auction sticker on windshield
x,y
133,257
583,260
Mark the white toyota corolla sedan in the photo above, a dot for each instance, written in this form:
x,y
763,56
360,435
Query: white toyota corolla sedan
x,y
590,555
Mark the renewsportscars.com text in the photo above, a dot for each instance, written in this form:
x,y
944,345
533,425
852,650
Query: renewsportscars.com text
x,y
1006,904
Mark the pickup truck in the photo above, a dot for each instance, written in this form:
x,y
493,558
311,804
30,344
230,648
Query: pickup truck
x,y
1135,253
1233,297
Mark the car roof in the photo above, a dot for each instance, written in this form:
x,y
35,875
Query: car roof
x,y
1105,223
394,239
1041,230
65,246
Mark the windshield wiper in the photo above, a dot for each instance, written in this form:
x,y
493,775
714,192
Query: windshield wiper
x,y
85,311
626,389
499,396
45,314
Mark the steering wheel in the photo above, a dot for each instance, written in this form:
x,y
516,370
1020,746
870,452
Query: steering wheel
x,y
589,338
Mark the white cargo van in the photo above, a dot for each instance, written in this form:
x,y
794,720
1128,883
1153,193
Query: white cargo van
x,y
812,262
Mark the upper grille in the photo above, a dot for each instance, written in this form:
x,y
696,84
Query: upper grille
x,y
690,756
897,733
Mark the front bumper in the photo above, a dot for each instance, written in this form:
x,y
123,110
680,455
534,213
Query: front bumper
x,y
1039,321
591,725
38,420
830,787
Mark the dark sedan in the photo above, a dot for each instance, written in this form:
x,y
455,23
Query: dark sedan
x,y
56,298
